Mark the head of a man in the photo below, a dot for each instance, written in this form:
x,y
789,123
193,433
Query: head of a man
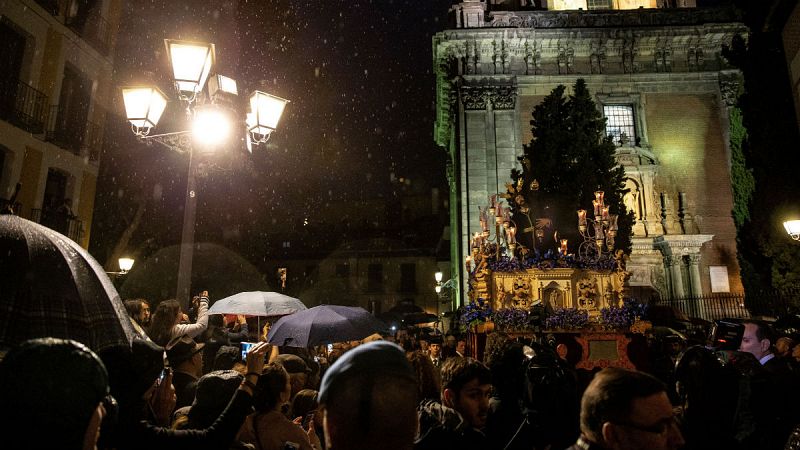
x,y
185,355
461,346
467,387
298,371
139,310
368,399
757,339
783,347
53,393
435,348
628,410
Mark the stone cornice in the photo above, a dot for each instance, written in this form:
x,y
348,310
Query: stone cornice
x,y
681,244
609,18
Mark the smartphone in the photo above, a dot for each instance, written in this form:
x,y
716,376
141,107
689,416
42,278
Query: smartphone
x,y
162,375
246,348
307,420
330,348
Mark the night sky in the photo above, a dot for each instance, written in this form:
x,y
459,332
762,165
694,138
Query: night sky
x,y
359,77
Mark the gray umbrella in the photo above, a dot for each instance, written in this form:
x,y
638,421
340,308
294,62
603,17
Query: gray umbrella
x,y
257,303
51,287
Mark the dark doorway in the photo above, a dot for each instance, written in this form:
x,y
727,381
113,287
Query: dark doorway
x,y
73,110
12,52
55,192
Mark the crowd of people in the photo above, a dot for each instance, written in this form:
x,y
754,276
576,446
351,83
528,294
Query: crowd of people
x,y
187,384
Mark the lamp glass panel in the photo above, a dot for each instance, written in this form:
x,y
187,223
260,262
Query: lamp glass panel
x,y
438,277
143,106
125,264
792,227
268,110
191,64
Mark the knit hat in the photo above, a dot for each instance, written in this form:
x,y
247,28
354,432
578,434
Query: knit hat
x,y
375,358
51,385
214,392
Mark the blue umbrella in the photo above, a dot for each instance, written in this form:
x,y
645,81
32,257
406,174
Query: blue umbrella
x,y
324,324
257,303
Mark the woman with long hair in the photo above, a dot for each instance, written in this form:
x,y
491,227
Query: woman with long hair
x,y
166,325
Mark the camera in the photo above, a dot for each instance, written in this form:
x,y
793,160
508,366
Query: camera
x,y
726,335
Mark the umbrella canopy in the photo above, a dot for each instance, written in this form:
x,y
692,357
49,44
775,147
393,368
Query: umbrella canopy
x,y
257,303
324,324
51,287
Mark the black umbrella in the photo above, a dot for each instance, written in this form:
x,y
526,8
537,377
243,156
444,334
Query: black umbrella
x,y
324,324
51,287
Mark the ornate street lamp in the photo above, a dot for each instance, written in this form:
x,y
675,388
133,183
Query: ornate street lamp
x,y
793,228
125,265
143,107
192,63
265,112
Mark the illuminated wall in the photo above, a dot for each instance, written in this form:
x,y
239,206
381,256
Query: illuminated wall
x,y
615,4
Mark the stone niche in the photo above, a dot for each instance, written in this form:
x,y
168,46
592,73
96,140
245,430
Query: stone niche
x,y
590,290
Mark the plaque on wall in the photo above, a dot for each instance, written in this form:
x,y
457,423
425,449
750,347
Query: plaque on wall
x,y
719,279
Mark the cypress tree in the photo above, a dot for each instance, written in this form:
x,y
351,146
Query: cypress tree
x,y
570,157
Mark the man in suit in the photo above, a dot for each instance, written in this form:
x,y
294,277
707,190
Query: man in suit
x,y
435,351
627,410
773,390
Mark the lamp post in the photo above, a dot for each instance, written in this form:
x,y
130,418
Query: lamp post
x,y
192,64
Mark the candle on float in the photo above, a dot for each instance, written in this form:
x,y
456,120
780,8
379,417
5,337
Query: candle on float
x,y
563,247
597,205
598,195
511,235
468,263
581,217
604,213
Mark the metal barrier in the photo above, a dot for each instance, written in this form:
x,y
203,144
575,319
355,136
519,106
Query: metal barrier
x,y
774,303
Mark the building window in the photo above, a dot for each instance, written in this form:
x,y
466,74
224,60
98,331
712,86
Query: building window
x,y
408,277
375,277
620,123
598,4
342,270
286,244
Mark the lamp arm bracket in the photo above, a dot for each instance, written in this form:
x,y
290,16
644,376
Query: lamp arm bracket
x,y
179,141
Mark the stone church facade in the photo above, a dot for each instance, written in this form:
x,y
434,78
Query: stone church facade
x,y
657,73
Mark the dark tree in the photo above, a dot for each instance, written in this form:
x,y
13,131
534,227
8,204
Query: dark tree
x,y
768,258
570,157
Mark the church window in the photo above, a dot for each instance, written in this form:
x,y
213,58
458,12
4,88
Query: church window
x,y
598,4
620,123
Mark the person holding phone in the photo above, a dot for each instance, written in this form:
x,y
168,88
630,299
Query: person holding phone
x,y
146,410
166,323
268,428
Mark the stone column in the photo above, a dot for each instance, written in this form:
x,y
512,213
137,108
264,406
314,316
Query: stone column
x,y
694,279
673,263
694,275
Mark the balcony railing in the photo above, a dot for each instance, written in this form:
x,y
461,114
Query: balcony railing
x,y
90,25
78,138
61,134
63,223
23,106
